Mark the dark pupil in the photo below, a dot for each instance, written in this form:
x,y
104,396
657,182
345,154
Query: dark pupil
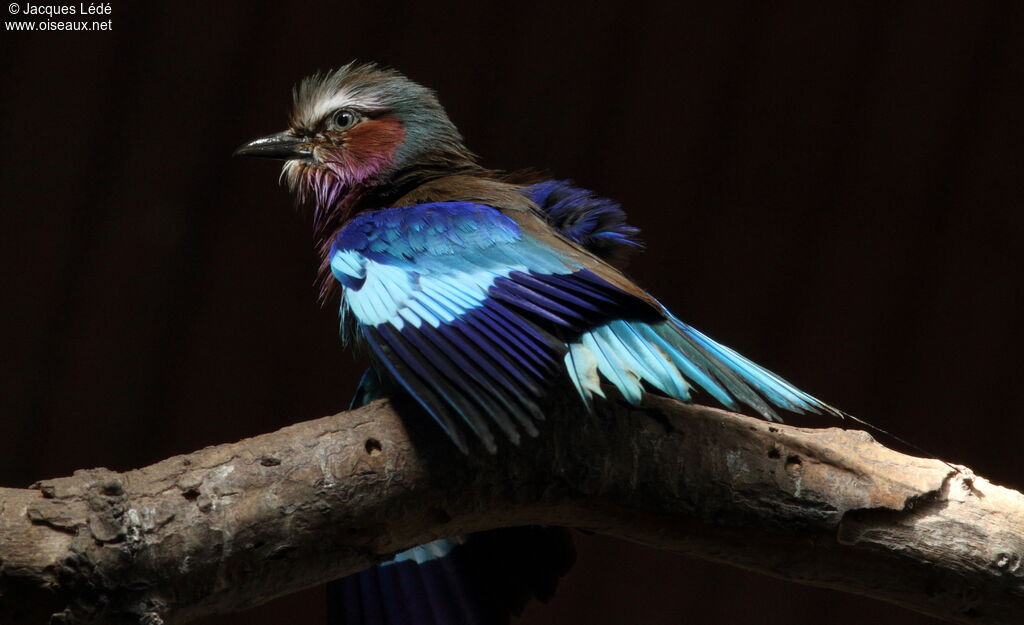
x,y
342,120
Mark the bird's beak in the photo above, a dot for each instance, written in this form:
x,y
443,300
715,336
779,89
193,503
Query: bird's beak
x,y
282,146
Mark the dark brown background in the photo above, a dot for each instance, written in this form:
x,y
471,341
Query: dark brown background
x,y
833,190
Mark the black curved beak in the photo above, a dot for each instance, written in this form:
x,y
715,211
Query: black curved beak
x,y
282,146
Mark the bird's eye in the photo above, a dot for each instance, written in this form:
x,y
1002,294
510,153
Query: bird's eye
x,y
343,120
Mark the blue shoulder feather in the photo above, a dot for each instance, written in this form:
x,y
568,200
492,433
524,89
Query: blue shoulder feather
x,y
596,223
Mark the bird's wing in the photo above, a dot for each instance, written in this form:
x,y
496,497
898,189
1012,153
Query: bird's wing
x,y
717,369
478,314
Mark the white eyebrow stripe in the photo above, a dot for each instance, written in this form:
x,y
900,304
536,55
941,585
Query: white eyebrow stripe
x,y
338,100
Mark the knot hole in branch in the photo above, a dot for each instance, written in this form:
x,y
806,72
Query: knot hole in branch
x,y
794,466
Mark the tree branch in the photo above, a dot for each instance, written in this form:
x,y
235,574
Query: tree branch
x,y
232,526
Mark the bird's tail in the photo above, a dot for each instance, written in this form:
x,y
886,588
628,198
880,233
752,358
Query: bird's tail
x,y
672,358
480,580
425,584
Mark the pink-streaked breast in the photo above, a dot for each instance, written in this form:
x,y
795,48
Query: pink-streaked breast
x,y
353,158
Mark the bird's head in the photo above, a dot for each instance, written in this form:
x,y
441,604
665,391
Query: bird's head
x,y
361,128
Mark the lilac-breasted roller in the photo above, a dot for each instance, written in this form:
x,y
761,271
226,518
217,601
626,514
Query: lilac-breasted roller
x,y
480,296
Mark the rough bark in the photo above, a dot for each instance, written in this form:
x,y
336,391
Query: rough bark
x,y
232,526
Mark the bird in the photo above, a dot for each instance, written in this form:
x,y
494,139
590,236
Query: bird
x,y
480,294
